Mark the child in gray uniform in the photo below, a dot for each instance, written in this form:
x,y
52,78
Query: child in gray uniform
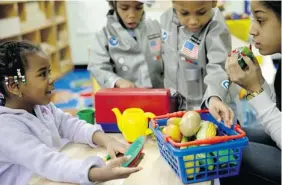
x,y
126,52
196,43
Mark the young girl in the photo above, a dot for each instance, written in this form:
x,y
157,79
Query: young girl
x,y
32,128
196,43
261,162
126,52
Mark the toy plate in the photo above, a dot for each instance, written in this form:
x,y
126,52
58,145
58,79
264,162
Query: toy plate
x,y
134,149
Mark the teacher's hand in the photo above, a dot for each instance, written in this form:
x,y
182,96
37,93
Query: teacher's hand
x,y
250,79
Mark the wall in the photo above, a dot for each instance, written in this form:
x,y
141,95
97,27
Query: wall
x,y
84,17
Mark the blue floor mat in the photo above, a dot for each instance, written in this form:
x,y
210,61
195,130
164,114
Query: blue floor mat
x,y
69,88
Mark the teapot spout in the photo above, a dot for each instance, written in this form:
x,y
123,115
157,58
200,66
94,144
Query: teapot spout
x,y
118,117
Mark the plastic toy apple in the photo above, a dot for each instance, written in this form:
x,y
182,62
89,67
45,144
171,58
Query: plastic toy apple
x,y
174,121
245,50
174,132
190,123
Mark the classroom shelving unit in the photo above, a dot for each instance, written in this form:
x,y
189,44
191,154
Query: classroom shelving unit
x,y
43,23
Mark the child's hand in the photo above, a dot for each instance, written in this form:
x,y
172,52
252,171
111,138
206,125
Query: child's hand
x,y
114,147
220,111
112,170
121,83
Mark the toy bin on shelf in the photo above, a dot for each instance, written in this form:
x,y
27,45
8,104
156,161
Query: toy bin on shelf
x,y
239,28
157,101
202,160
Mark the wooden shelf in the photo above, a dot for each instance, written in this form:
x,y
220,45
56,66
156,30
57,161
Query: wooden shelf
x,y
8,10
60,20
10,37
34,37
66,69
6,2
61,45
43,23
60,8
26,28
17,37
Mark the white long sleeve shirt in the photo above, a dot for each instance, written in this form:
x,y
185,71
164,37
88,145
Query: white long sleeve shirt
x,y
268,114
30,144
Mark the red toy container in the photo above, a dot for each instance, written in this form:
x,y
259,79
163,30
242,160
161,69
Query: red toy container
x,y
157,101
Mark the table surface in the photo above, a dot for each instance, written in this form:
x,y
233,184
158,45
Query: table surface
x,y
155,169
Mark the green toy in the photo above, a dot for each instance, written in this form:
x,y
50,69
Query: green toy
x,y
202,159
246,51
87,115
210,161
223,157
134,150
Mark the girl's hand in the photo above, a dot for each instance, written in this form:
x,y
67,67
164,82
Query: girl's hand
x,y
112,170
121,83
114,147
250,79
220,111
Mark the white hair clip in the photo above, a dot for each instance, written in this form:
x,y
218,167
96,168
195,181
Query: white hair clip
x,y
20,76
16,80
6,80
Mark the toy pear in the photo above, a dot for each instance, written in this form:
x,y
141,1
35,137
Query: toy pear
x,y
190,123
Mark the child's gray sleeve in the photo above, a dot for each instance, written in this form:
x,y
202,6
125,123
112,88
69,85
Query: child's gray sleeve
x,y
99,61
218,45
23,148
74,129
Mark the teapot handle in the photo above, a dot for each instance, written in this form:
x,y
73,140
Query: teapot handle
x,y
148,132
149,115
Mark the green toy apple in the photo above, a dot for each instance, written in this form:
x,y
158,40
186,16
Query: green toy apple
x,y
246,51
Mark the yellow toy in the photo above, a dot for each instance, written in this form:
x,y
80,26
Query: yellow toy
x,y
239,28
190,169
207,130
242,94
96,86
133,123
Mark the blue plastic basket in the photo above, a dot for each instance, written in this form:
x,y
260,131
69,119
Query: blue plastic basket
x,y
201,163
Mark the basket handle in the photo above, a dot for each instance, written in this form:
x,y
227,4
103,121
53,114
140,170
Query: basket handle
x,y
214,140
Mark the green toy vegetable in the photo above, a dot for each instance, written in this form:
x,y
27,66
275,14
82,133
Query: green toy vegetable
x,y
223,157
210,161
191,167
246,51
207,130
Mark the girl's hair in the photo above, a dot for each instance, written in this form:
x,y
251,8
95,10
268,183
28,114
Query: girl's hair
x,y
275,6
112,4
13,58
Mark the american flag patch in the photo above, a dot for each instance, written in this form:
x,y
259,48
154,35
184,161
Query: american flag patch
x,y
190,49
155,45
157,58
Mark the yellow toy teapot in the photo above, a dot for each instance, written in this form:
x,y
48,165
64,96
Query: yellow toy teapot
x,y
133,123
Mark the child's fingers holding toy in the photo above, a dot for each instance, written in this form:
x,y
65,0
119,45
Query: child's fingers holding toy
x,y
112,170
121,172
118,161
115,147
